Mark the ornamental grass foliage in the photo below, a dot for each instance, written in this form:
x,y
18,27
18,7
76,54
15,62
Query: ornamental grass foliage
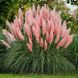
x,y
37,41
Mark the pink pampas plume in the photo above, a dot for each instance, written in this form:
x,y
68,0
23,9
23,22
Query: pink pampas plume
x,y
8,24
5,33
57,38
43,27
34,10
20,15
47,35
38,20
38,10
29,17
27,30
69,39
29,47
61,43
30,42
46,13
36,33
41,42
19,35
9,36
36,30
50,39
6,44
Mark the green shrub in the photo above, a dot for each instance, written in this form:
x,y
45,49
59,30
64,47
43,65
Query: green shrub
x,y
2,53
19,59
73,52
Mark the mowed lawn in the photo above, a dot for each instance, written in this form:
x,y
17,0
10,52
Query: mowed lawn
x,y
38,76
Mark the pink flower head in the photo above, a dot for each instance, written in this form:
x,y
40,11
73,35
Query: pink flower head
x,y
34,10
20,15
19,35
43,27
29,47
47,35
52,26
9,36
8,24
14,29
20,18
61,43
52,14
6,44
45,45
47,14
41,42
63,29
36,31
38,10
57,38
50,39
48,26
69,39
29,17
27,30
30,42
41,16
5,33
38,20
17,23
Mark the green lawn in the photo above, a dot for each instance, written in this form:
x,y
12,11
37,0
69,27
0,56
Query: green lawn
x,y
37,76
